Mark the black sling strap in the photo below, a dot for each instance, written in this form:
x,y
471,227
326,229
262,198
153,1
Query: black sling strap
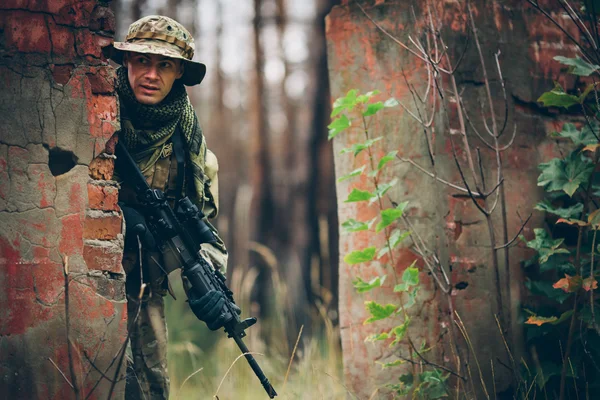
x,y
179,150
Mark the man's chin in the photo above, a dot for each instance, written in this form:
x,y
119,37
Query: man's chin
x,y
148,100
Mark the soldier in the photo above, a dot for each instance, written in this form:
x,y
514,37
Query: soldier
x,y
157,117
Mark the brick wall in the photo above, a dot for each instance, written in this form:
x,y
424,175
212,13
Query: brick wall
x,y
59,110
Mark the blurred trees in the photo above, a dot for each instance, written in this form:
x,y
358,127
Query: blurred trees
x,y
264,106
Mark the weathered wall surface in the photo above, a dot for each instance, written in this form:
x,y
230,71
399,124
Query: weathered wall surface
x,y
362,57
58,110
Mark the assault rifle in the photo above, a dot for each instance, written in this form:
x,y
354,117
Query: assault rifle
x,y
181,232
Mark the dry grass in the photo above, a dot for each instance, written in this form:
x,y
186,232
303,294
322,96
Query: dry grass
x,y
204,363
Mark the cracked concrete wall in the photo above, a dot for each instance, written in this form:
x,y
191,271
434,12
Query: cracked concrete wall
x,y
361,56
59,109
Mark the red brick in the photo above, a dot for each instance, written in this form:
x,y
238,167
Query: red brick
x,y
101,109
76,13
103,197
102,80
103,19
26,32
63,41
103,258
90,44
102,168
62,73
102,228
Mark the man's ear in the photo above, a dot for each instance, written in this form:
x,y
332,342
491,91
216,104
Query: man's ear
x,y
125,60
181,69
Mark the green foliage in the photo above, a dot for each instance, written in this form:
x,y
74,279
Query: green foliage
x,y
545,245
360,256
379,311
566,175
362,286
353,225
563,212
577,66
390,215
338,125
359,195
585,136
557,97
354,110
352,174
357,148
562,272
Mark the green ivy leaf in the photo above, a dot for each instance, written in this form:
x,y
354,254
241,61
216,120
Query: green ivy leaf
x,y
396,238
360,256
577,66
412,298
382,189
545,245
570,212
377,336
389,215
347,102
399,332
585,136
338,125
433,384
352,174
383,251
391,102
386,159
372,109
362,286
378,311
588,89
358,147
353,225
358,195
363,98
411,275
544,288
566,175
558,98
392,363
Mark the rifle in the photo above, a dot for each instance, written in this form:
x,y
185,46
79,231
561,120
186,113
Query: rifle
x,y
181,231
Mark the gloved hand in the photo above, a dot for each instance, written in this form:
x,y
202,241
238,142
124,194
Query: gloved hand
x,y
211,309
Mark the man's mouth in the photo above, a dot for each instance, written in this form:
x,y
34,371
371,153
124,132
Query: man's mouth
x,y
149,88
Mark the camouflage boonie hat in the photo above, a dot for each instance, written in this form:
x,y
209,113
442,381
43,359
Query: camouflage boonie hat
x,y
156,34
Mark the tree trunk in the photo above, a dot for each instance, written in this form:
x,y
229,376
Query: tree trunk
x,y
59,109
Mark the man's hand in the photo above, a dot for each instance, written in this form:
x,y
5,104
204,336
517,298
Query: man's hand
x,y
211,309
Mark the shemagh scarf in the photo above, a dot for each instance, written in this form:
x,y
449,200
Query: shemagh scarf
x,y
145,128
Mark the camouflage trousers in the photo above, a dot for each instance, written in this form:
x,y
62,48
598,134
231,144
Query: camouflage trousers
x,y
147,375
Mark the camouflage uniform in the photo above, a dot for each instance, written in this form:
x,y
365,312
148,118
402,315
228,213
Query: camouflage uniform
x,y
147,376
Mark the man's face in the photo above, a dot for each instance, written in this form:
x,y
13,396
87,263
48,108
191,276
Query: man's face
x,y
151,76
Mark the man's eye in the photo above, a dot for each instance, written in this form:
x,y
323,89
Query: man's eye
x,y
142,60
165,65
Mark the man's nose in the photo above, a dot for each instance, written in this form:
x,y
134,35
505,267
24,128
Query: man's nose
x,y
152,72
